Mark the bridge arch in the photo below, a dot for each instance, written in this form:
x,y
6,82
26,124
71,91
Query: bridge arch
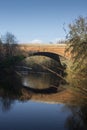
x,y
52,55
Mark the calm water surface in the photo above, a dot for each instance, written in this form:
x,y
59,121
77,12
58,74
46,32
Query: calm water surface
x,y
33,115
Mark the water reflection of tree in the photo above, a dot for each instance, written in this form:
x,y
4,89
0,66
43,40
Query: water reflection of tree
x,y
6,104
78,119
11,90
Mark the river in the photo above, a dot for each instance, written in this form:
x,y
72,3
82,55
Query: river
x,y
18,114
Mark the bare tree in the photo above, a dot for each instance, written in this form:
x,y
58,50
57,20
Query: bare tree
x,y
10,44
1,50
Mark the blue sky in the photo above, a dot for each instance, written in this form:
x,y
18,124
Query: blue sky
x,y
39,20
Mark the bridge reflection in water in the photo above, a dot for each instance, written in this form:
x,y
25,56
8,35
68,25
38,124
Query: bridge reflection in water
x,y
41,82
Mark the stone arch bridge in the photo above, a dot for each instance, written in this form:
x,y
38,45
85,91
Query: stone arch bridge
x,y
44,49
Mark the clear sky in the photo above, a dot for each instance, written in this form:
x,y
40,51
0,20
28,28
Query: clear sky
x,y
39,20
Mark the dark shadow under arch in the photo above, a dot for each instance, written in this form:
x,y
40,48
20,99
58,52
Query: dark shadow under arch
x,y
54,56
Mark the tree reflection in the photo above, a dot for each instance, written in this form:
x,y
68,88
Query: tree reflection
x,y
11,90
78,119
6,104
